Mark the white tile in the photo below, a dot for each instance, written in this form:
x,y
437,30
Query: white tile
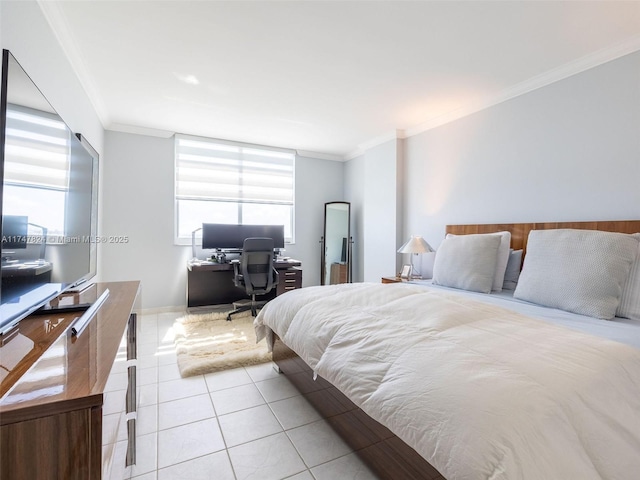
x,y
120,364
146,454
168,372
187,442
166,335
147,376
261,372
247,425
306,475
149,336
183,411
215,466
294,412
147,395
110,425
181,388
147,420
149,348
349,467
236,398
146,476
167,356
114,402
117,381
270,458
149,361
227,379
317,443
278,388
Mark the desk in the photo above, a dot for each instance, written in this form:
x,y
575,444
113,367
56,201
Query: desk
x,y
18,278
210,283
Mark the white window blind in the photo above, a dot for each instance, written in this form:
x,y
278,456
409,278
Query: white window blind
x,y
219,177
207,170
36,150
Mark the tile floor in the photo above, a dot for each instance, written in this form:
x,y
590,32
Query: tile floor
x,y
240,424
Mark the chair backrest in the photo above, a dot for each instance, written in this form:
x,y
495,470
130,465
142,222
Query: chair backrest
x,y
256,264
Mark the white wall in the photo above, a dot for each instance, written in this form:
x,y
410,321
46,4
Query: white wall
x,y
372,185
354,193
139,202
568,151
25,32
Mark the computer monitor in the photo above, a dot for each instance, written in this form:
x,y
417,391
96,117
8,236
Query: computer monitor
x,y
14,232
221,236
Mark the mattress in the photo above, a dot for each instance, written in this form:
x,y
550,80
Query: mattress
x,y
481,389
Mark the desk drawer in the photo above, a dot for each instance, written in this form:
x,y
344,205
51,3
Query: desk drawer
x,y
290,279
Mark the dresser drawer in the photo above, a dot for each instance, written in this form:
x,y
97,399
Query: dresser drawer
x,y
289,279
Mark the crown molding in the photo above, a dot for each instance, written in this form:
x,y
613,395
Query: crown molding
x,y
149,132
580,65
321,156
60,28
363,147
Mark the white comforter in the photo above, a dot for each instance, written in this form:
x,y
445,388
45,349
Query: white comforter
x,y
481,392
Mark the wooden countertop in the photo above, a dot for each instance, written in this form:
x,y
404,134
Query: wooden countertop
x,y
44,370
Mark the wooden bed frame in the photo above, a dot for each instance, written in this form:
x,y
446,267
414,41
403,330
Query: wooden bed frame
x,y
383,452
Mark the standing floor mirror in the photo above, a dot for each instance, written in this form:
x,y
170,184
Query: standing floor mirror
x,y
335,260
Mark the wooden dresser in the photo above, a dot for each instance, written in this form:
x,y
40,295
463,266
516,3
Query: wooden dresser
x,y
53,387
339,273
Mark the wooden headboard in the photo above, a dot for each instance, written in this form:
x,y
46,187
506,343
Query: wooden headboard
x,y
520,231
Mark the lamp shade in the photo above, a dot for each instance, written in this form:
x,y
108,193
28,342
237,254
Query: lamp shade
x,y
416,244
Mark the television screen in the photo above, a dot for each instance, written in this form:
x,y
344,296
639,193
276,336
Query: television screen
x,y
231,237
49,183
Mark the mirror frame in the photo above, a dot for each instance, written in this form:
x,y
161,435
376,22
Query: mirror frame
x,y
323,242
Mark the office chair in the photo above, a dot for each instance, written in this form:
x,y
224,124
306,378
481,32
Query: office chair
x,y
254,272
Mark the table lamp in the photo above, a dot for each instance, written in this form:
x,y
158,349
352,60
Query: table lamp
x,y
415,246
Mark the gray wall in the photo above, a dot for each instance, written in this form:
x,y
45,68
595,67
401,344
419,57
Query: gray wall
x,y
138,193
568,151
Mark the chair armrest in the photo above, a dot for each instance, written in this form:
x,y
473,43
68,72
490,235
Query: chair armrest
x,y
276,276
238,278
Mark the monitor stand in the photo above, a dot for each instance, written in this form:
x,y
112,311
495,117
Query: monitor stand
x,y
68,302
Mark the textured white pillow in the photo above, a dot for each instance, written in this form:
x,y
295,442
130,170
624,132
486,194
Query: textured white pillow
x,y
580,271
467,262
629,306
512,272
501,259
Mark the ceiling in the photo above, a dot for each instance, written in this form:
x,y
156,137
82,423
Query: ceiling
x,y
332,77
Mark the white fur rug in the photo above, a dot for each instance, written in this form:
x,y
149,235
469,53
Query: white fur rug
x,y
207,343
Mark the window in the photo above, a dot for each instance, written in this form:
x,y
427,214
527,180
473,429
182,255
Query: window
x,y
226,182
36,167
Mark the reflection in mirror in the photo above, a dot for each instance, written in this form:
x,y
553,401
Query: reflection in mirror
x,y
336,244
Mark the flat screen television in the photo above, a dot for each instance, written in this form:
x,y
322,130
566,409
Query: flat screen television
x,y
48,200
231,236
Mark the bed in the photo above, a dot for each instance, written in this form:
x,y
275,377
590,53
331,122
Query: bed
x,y
445,379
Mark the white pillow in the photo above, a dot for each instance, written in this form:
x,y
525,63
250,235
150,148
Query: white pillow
x,y
512,272
501,259
580,271
467,262
629,306
426,261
